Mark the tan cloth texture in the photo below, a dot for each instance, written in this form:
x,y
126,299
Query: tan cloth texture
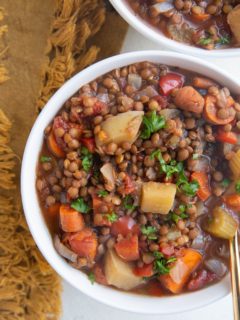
x,y
47,42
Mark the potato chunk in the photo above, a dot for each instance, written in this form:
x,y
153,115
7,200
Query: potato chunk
x,y
157,197
121,128
119,273
233,19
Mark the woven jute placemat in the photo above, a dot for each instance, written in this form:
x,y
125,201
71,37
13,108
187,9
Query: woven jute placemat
x,y
42,44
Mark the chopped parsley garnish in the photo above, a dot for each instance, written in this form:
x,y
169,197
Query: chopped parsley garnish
x,y
87,159
80,205
226,182
91,277
174,167
161,263
168,169
45,159
205,41
128,202
224,40
150,232
237,186
102,193
152,123
112,217
195,156
172,216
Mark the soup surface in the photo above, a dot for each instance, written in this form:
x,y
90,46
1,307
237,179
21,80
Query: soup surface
x,y
138,179
206,24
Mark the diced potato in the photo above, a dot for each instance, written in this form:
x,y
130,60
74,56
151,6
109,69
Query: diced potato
x,y
157,197
109,176
222,225
234,164
121,128
119,273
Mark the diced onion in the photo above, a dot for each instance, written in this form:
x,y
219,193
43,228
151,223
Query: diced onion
x,y
227,147
173,234
201,209
170,113
163,7
109,175
63,250
149,91
103,97
135,80
199,242
216,266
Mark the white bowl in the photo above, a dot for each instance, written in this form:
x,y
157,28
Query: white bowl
x,y
156,35
35,220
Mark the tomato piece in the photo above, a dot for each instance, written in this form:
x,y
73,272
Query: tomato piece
x,y
124,226
127,248
201,279
98,107
89,143
100,219
127,186
167,250
229,137
145,271
204,191
99,275
84,243
210,111
169,82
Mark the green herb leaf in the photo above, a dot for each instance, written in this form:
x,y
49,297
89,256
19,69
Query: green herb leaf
x,y
224,40
168,169
161,263
204,41
195,156
112,217
190,188
172,216
102,193
128,202
237,186
87,159
150,232
91,277
152,123
182,208
80,205
226,182
45,159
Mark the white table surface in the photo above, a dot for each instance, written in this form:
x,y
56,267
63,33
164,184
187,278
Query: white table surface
x,y
77,306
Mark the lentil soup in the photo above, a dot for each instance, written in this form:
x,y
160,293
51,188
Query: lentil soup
x,y
205,24
138,179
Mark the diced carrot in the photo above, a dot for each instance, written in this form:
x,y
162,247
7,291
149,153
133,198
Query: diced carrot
x,y
232,200
204,191
128,248
203,83
145,271
71,220
210,111
200,17
181,270
99,275
54,147
124,226
100,219
229,137
84,243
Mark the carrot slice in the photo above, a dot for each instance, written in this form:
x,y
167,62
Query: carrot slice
x,y
53,210
228,137
201,16
128,249
145,271
71,220
181,270
210,111
54,147
204,191
232,200
84,243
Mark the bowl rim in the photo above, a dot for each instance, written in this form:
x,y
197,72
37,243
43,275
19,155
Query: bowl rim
x,y
114,298
149,32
